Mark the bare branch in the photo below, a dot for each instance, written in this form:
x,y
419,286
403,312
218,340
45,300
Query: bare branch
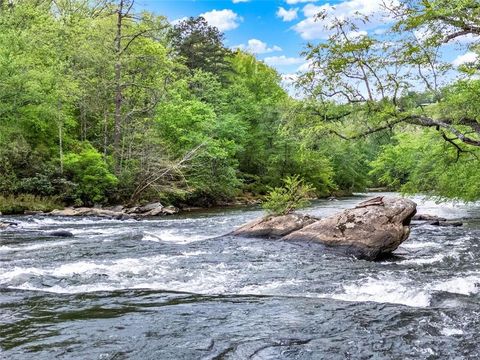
x,y
389,125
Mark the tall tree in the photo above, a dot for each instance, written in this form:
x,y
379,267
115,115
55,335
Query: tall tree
x,y
200,45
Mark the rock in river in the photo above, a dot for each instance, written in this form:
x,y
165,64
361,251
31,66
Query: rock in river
x,y
274,226
7,224
370,230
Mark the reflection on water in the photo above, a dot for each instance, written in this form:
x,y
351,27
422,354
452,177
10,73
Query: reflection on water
x,y
179,288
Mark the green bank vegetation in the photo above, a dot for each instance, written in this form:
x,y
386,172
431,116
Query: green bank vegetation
x,y
100,104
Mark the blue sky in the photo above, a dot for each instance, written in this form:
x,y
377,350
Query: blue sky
x,y
256,25
276,31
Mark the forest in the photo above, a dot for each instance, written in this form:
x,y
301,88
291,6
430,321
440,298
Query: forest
x,y
103,103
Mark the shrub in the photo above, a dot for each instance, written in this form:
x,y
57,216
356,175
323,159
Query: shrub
x,y
18,204
89,170
294,194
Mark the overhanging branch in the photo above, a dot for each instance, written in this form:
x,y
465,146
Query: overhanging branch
x,y
416,120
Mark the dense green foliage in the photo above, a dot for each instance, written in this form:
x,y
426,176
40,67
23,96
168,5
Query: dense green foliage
x,y
19,204
294,194
100,105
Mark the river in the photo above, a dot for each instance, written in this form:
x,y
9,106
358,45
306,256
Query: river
x,y
175,288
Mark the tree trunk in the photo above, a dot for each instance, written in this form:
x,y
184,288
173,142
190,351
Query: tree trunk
x,y
118,89
60,135
105,134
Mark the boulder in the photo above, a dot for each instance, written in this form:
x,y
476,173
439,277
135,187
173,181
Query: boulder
x,y
85,211
149,207
274,226
155,212
170,210
369,231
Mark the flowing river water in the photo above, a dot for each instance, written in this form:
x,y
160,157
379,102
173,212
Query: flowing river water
x,y
177,288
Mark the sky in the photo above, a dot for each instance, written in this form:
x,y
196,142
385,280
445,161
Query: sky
x,y
276,31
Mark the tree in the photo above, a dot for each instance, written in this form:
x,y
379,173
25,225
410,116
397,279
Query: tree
x,y
200,45
372,78
446,19
375,75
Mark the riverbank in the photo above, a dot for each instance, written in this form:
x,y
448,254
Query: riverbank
x,y
35,205
31,205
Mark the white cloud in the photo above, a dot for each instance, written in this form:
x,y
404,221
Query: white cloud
x,y
356,34
224,20
310,29
469,57
287,15
283,60
291,2
178,21
307,66
239,1
256,46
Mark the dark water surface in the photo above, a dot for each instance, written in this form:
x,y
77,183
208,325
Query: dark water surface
x,y
170,288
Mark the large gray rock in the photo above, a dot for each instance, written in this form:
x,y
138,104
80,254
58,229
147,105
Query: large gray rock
x,y
274,226
85,211
149,207
372,229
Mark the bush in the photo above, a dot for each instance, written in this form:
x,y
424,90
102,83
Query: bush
x,y
90,172
294,194
18,204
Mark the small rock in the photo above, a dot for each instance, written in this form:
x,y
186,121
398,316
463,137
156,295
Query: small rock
x,y
170,210
450,223
149,207
427,217
131,210
117,208
155,212
64,212
60,233
6,224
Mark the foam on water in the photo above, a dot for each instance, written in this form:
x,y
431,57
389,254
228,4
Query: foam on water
x,y
385,290
424,260
49,244
214,279
159,272
465,285
271,288
420,245
451,331
38,222
171,235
